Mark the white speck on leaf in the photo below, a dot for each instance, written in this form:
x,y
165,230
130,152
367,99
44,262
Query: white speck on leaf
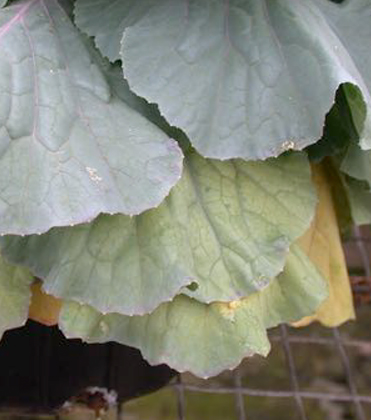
x,y
93,174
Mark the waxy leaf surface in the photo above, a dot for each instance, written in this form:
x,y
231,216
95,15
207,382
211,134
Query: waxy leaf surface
x,y
69,147
225,229
106,20
205,339
242,78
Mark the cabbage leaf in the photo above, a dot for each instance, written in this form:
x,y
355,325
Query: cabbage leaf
x,y
206,339
69,147
226,227
243,78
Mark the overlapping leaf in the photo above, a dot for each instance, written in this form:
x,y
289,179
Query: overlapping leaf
x,y
106,20
341,155
344,124
242,78
15,295
343,18
69,148
356,164
205,339
322,244
226,226
199,272
359,196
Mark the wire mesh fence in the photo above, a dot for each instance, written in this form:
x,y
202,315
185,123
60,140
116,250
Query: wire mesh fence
x,y
296,388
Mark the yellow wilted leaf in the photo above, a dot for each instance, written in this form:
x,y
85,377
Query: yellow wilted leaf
x,y
322,244
44,308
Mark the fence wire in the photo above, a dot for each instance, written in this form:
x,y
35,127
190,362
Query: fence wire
x,y
291,342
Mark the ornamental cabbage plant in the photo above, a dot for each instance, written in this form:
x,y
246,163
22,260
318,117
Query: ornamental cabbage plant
x,y
175,175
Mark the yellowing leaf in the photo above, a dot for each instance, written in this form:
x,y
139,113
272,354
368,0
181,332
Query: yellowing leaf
x,y
322,244
44,308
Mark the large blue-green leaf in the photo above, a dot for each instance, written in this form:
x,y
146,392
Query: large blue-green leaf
x,y
226,226
106,20
69,147
242,78
206,339
15,296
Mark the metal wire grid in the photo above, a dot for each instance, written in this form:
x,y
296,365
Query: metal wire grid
x,y
336,341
